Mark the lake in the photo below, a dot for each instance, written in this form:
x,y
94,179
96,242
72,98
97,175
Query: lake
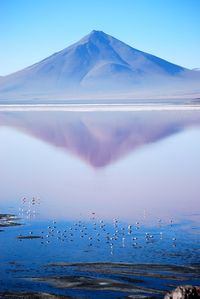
x,y
99,204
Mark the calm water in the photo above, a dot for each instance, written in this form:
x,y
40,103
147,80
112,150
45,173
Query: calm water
x,y
112,197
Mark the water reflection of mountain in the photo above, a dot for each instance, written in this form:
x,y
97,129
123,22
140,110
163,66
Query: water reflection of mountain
x,y
100,138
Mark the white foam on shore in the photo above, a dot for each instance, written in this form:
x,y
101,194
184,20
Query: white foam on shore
x,y
97,107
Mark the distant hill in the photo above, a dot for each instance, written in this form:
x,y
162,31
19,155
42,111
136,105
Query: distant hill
x,y
100,66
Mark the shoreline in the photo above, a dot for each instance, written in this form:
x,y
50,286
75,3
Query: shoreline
x,y
98,107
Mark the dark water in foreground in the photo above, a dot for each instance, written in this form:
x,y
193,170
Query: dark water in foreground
x,y
97,259
106,205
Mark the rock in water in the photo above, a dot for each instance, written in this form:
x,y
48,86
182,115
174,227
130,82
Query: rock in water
x,y
184,292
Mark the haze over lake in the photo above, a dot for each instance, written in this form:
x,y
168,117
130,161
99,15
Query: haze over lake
x,y
119,164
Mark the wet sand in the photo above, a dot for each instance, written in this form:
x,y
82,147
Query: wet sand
x,y
7,220
95,280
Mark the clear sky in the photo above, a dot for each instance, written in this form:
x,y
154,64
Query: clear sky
x,y
31,30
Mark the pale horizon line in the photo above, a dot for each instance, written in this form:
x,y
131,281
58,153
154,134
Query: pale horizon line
x,y
97,107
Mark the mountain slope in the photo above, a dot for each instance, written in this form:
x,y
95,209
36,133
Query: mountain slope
x,y
97,65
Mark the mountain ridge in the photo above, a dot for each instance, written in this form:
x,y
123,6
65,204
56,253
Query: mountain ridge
x,y
98,64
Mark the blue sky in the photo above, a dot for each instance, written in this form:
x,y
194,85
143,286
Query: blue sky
x,y
31,30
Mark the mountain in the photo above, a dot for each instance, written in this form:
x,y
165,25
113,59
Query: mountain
x,y
99,66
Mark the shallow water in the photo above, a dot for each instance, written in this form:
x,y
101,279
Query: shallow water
x,y
117,190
